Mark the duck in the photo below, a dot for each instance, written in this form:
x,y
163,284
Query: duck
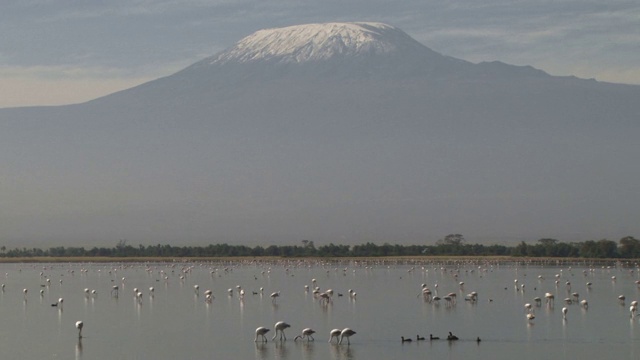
x,y
451,337
405,340
419,338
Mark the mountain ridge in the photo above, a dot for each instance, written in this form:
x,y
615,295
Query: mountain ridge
x,y
381,148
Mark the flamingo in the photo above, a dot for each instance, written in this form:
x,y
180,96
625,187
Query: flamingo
x,y
274,296
324,297
549,298
280,326
531,316
335,333
346,332
59,303
306,332
79,326
260,332
564,313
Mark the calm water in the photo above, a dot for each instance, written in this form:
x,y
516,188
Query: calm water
x,y
175,322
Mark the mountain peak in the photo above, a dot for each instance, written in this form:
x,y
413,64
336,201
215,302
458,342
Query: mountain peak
x,y
317,42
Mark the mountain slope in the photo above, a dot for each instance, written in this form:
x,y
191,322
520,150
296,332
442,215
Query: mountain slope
x,y
328,132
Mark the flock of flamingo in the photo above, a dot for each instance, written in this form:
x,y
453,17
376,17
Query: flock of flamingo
x,y
307,333
325,297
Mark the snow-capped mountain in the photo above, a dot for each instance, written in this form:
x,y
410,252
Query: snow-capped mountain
x,y
318,42
341,133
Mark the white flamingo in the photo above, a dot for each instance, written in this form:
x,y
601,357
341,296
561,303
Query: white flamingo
x,y
79,326
549,297
346,332
306,333
280,326
335,333
260,332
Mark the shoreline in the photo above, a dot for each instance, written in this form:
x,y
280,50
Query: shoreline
x,y
444,258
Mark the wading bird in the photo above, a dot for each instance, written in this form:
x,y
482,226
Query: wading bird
x,y
346,333
279,327
335,333
306,333
79,326
260,332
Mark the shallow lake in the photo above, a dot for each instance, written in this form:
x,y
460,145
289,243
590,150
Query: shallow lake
x,y
174,321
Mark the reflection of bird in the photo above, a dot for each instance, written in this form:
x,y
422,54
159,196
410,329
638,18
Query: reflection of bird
x,y
79,326
306,333
335,333
451,336
346,332
280,326
405,340
260,332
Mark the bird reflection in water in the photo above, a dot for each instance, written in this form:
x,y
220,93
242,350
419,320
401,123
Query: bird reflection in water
x,y
262,350
281,350
79,349
342,352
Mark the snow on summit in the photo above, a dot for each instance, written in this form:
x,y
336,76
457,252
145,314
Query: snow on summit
x,y
313,42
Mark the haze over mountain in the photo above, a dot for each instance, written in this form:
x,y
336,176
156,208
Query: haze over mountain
x,y
338,132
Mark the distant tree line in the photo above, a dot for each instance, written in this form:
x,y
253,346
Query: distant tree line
x,y
451,245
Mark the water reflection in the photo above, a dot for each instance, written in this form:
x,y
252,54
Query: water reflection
x,y
79,349
341,352
262,350
281,350
226,332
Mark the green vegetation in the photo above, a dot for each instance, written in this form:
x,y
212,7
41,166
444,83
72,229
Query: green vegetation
x,y
451,245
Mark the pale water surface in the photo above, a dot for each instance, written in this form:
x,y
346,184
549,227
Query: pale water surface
x,y
175,322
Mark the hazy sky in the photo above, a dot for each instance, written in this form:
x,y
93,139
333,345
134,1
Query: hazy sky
x,y
63,51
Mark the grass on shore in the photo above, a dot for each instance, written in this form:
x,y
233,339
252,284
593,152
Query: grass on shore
x,y
105,259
